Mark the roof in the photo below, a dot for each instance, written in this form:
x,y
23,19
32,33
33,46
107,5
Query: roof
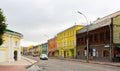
x,y
10,31
70,28
108,16
101,22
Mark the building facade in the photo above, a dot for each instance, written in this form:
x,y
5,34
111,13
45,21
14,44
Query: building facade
x,y
66,42
45,48
35,50
10,50
52,47
24,50
104,39
39,48
30,50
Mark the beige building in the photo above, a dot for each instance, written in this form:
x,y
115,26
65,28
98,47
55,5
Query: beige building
x,y
10,50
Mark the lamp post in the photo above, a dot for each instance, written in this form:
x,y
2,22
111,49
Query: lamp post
x,y
87,37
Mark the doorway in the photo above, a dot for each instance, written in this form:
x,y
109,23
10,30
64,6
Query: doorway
x,y
15,55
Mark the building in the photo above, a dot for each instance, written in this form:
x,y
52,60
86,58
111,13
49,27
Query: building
x,y
45,48
52,47
35,51
66,42
39,49
30,50
10,50
24,50
104,39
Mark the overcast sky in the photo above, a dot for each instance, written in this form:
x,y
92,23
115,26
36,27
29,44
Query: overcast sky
x,y
39,20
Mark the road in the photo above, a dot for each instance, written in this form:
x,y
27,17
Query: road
x,y
64,65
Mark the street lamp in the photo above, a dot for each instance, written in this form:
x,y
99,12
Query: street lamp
x,y
87,37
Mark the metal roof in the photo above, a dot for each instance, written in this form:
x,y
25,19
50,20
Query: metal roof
x,y
101,22
70,28
10,31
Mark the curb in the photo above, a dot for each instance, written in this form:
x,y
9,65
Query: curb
x,y
31,65
27,59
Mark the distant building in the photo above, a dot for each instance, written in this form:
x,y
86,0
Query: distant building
x,y
30,50
10,50
52,47
66,42
45,48
103,34
39,49
24,50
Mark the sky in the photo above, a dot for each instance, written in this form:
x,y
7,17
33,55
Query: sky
x,y
40,20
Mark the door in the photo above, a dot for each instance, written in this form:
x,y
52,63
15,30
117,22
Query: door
x,y
64,54
15,55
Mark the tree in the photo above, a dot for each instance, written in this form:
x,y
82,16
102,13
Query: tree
x,y
2,26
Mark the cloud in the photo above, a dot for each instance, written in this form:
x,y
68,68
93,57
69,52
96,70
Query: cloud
x,y
34,18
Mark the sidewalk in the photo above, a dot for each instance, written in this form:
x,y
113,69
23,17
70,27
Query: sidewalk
x,y
19,65
94,62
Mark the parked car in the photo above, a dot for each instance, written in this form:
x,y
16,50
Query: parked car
x,y
35,55
43,57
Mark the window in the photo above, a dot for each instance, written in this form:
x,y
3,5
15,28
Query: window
x,y
72,32
16,44
91,38
85,39
95,37
94,52
85,52
73,42
107,35
78,53
101,36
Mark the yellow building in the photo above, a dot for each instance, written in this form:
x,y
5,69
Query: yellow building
x,y
10,50
35,50
24,50
66,42
30,50
39,49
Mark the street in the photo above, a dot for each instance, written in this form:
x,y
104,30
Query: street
x,y
64,65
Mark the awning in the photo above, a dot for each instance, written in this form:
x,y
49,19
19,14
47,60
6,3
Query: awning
x,y
118,46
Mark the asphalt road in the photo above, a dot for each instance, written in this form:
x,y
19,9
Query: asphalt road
x,y
64,65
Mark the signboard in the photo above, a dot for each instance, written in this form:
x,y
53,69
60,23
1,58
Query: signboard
x,y
107,46
116,29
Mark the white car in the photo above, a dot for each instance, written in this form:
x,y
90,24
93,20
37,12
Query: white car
x,y
43,57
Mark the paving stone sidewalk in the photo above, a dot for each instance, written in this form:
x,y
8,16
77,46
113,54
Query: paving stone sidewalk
x,y
19,65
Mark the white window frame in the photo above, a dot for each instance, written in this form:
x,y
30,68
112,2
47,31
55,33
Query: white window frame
x,y
93,52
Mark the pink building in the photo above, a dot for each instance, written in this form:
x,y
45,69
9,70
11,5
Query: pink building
x,y
52,47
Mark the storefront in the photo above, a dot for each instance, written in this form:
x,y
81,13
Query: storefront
x,y
117,53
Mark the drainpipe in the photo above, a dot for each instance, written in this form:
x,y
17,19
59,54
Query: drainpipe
x,y
110,42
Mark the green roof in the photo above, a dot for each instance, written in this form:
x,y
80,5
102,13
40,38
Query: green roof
x,y
8,30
